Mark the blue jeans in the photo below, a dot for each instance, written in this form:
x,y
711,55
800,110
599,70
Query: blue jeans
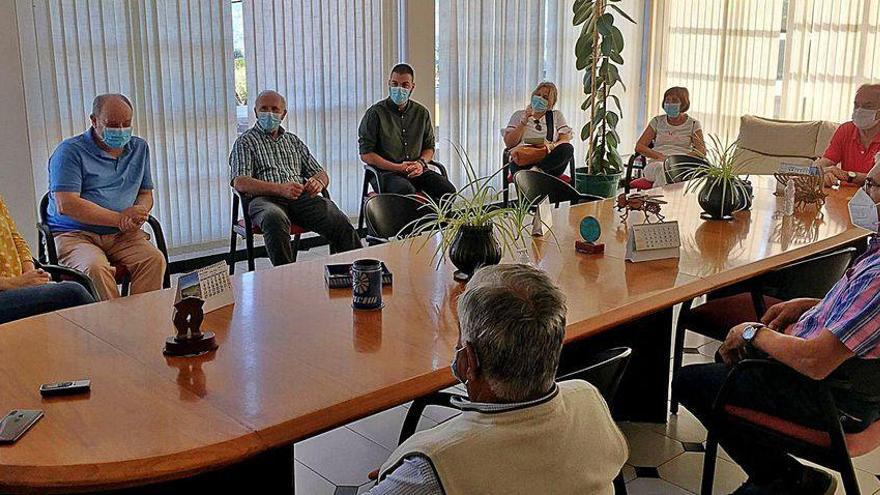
x,y
28,301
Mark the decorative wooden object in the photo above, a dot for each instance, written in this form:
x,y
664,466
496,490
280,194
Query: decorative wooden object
x,y
807,189
649,204
190,340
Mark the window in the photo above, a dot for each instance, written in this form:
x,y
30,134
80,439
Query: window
x,y
242,108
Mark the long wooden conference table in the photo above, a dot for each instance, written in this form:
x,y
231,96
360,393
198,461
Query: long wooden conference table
x,y
295,360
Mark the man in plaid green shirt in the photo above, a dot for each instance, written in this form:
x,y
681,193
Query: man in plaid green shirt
x,y
284,181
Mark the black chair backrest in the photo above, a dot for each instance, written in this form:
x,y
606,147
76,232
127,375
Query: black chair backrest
x,y
676,167
604,372
44,208
534,186
388,214
812,277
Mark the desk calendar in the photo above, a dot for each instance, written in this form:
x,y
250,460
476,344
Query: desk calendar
x,y
210,284
653,241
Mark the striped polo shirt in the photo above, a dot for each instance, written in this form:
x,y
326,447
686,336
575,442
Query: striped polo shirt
x,y
851,311
279,159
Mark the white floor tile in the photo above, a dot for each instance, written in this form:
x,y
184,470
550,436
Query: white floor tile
x,y
684,427
694,340
309,482
710,349
869,462
653,486
686,471
648,448
341,456
868,483
688,359
384,427
629,473
440,414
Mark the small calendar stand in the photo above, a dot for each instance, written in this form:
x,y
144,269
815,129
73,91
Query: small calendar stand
x,y
653,241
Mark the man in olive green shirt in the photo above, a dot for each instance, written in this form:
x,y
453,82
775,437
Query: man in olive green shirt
x,y
396,136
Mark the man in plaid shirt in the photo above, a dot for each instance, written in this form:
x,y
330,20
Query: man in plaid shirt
x,y
284,180
837,336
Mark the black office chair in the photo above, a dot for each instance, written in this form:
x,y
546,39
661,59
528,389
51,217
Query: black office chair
x,y
747,301
604,371
828,446
244,228
47,252
676,167
60,273
372,178
392,215
507,177
533,186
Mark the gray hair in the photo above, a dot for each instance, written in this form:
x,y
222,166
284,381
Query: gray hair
x,y
872,88
100,100
514,317
270,92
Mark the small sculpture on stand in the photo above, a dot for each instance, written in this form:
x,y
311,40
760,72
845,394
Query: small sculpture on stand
x,y
590,230
649,204
190,340
807,189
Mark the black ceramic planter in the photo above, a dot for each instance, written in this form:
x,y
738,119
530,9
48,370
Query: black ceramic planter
x,y
472,248
719,204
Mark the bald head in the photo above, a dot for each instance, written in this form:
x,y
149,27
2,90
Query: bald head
x,y
868,97
270,101
113,103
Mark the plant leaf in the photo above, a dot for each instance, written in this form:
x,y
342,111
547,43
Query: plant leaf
x,y
621,12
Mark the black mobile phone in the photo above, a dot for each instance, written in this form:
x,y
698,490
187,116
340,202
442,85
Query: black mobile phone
x,y
16,423
65,388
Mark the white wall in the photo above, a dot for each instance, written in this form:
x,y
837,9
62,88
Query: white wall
x,y
16,172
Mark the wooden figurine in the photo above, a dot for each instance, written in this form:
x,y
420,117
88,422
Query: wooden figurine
x,y
189,339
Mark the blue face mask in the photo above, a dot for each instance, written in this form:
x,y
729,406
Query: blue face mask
x,y
539,104
399,95
672,110
268,121
116,137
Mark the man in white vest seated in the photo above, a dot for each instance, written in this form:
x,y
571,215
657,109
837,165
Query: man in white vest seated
x,y
520,432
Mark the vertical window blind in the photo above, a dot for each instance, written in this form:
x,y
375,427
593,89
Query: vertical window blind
x,y
330,59
786,59
174,60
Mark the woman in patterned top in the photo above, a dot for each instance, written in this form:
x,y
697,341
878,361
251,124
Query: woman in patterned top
x,y
24,289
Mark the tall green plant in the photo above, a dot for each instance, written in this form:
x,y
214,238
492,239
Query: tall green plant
x,y
598,50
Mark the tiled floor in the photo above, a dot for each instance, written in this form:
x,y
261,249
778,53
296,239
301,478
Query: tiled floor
x,y
664,459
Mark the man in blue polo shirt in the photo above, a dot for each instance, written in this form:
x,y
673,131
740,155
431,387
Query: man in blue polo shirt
x,y
101,193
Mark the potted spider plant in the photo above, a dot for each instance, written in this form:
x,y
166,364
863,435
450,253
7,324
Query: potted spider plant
x,y
472,229
721,190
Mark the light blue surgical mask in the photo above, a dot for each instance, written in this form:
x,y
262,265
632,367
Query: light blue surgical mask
x,y
539,104
399,95
458,377
672,110
116,137
268,121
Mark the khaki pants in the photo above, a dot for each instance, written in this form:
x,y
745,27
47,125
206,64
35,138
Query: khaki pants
x,y
93,253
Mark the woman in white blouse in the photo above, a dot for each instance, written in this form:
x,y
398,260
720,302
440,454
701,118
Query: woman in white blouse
x,y
539,136
673,133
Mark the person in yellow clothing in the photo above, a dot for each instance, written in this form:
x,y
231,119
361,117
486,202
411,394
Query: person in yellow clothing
x,y
24,289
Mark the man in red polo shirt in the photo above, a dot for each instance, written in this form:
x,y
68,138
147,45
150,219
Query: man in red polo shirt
x,y
850,155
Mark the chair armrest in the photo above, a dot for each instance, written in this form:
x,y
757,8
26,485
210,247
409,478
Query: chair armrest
x,y
585,198
439,166
58,272
47,242
159,236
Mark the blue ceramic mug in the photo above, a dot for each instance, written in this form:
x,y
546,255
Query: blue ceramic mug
x,y
366,284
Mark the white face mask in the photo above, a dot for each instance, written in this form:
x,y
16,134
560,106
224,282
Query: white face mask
x,y
863,211
863,118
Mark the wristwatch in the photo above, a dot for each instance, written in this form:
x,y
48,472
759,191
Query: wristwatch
x,y
423,162
750,331
850,176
